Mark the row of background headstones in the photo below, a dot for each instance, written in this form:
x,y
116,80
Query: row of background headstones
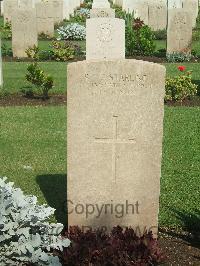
x,y
66,7
178,21
154,12
32,17
42,16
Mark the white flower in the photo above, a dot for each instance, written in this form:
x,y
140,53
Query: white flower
x,y
73,31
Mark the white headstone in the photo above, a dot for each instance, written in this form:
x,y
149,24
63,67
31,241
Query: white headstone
x,y
24,31
142,11
102,13
175,4
158,15
45,18
192,7
114,143
105,38
100,4
9,7
179,31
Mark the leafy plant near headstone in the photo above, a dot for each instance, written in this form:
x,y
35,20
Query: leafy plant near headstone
x,y
6,31
121,247
59,51
36,76
80,15
119,12
160,35
25,236
180,87
39,79
6,50
86,4
63,51
139,37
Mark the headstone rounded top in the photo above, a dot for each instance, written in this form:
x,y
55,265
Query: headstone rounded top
x,y
101,4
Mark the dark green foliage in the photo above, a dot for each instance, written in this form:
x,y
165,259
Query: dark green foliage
x,y
59,51
139,37
6,32
64,51
160,35
119,13
38,78
6,51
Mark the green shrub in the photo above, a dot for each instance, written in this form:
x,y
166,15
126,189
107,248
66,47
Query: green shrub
x,y
44,36
63,51
129,35
161,53
119,13
40,79
86,4
6,31
39,55
33,52
45,55
180,87
160,35
25,236
6,51
139,37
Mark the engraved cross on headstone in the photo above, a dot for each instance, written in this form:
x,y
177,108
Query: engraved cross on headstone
x,y
114,141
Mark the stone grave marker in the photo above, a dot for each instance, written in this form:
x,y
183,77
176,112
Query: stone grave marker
x,y
102,35
174,4
45,19
24,31
158,15
26,4
101,4
114,136
130,5
192,7
141,10
101,9
179,31
9,7
58,11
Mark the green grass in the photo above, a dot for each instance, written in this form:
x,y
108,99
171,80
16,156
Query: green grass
x,y
36,137
14,74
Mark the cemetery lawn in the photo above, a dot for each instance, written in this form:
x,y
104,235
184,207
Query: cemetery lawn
x,y
33,155
14,74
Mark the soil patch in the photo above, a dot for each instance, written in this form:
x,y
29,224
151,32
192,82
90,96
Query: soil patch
x,y
61,99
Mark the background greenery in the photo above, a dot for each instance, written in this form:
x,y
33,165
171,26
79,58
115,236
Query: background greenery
x,y
33,152
33,144
14,74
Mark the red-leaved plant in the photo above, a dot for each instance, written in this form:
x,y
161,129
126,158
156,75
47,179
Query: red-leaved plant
x,y
119,248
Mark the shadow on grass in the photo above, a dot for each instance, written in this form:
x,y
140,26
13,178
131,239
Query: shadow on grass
x,y
191,227
54,189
